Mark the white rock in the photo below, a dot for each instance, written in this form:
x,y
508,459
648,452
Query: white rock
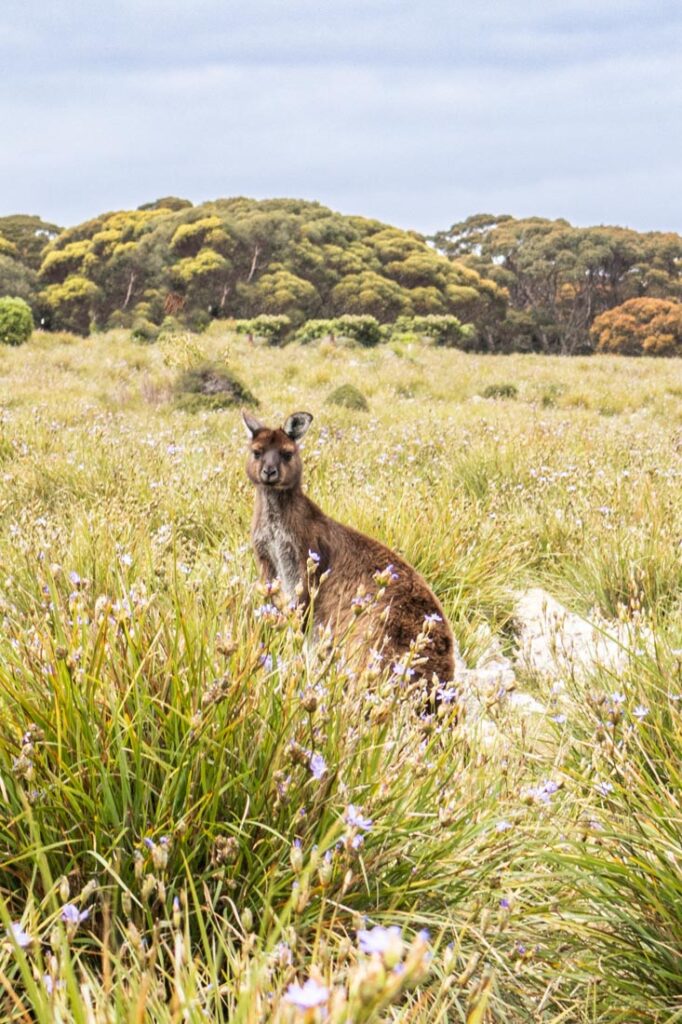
x,y
558,644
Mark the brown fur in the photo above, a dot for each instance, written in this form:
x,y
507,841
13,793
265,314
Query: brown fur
x,y
287,525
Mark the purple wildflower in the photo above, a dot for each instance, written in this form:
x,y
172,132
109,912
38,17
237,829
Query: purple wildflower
x,y
640,712
72,915
355,819
21,937
308,996
266,609
379,940
318,766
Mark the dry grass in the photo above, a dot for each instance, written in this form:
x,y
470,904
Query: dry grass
x,y
158,729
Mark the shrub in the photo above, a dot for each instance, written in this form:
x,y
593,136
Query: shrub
x,y
445,331
118,320
210,385
16,321
643,326
500,391
144,331
170,325
366,330
267,327
313,330
349,397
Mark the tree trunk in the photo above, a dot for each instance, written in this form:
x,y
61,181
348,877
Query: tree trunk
x,y
254,263
131,282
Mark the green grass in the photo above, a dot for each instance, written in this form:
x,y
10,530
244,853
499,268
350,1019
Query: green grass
x,y
158,730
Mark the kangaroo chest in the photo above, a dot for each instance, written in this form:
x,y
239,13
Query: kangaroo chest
x,y
274,542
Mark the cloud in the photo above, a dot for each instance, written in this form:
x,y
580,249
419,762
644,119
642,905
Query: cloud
x,y
418,114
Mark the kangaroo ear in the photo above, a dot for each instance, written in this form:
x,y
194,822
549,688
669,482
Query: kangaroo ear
x,y
251,423
297,425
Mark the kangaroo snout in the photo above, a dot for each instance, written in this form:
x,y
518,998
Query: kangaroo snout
x,y
269,474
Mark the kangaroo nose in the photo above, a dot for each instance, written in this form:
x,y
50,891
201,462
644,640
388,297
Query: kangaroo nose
x,y
269,473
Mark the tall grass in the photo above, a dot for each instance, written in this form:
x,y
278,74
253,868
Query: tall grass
x,y
202,810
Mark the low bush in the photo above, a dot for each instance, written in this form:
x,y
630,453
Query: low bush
x,y
16,321
364,330
349,397
447,331
500,391
313,330
144,331
210,385
170,326
266,328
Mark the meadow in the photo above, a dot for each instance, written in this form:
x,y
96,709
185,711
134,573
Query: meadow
x,y
203,816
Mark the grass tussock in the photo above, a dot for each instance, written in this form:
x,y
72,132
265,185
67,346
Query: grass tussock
x,y
206,816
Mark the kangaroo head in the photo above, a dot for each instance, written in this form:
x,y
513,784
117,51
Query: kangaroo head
x,y
274,458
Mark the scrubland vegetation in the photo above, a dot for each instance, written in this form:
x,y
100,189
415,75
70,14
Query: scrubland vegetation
x,y
299,268
206,817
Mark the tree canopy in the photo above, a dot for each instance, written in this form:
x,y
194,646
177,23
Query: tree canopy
x,y
528,284
641,327
240,258
560,277
23,240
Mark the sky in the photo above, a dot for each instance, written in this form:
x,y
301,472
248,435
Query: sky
x,y
417,113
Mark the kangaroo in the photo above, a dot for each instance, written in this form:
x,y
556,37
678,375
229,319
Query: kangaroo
x,y
291,534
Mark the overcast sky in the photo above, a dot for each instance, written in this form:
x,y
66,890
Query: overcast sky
x,y
417,112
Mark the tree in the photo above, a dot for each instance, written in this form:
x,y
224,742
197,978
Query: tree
x,y
242,257
167,203
641,327
16,279
373,294
29,235
559,277
69,305
280,291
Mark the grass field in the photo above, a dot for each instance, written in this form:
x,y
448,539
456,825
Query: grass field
x,y
202,817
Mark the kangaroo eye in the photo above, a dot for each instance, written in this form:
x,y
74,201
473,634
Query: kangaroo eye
x,y
257,455
287,456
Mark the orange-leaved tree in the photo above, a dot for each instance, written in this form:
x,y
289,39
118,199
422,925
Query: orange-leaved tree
x,y
637,327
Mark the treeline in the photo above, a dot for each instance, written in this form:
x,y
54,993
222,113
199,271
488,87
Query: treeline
x,y
571,290
505,284
237,258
